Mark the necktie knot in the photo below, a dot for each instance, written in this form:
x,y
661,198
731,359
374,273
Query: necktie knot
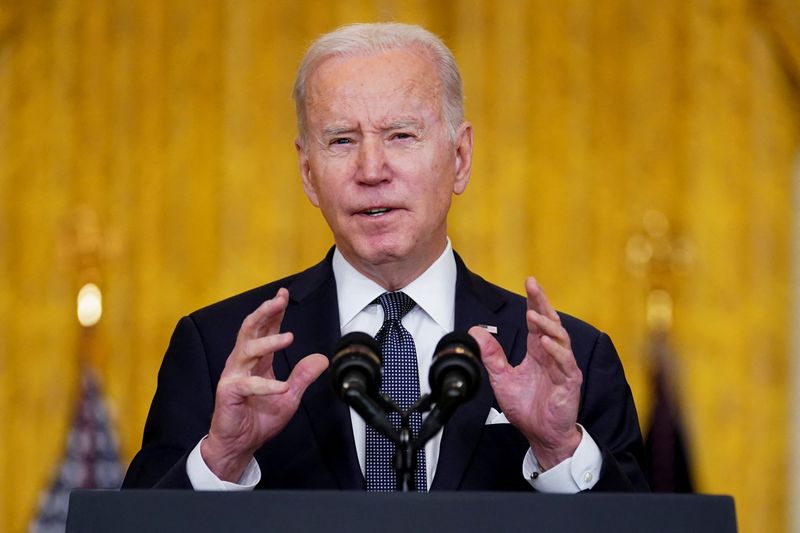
x,y
395,305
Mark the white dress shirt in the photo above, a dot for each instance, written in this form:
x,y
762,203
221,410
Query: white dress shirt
x,y
431,319
428,321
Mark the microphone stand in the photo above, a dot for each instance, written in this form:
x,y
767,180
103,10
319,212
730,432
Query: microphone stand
x,y
406,446
454,378
374,411
405,459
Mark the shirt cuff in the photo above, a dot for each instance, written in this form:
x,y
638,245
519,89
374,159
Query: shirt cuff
x,y
575,474
202,478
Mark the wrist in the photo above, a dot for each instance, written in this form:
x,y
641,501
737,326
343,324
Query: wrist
x,y
227,464
549,455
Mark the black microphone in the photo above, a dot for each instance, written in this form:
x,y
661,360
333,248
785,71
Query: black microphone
x,y
356,364
454,377
356,378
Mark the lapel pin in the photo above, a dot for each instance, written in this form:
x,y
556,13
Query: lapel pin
x,y
490,329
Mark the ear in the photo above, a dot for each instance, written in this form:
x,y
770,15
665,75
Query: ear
x,y
305,173
463,160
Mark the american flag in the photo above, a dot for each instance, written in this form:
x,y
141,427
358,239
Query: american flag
x,y
666,454
90,458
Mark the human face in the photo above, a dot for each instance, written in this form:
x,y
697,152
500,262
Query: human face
x,y
380,163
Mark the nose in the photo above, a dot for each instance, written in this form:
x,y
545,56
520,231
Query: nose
x,y
372,161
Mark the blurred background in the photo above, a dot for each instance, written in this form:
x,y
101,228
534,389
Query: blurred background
x,y
639,158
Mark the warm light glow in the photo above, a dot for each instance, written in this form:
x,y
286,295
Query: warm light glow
x,y
90,305
655,223
659,310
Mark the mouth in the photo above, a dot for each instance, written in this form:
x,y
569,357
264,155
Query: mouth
x,y
376,211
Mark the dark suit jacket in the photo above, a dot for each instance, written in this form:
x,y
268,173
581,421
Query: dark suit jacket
x,y
316,449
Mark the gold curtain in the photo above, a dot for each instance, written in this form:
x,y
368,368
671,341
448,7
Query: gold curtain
x,y
147,146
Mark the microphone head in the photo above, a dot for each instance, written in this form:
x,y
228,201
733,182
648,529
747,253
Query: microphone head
x,y
456,356
356,360
357,338
460,339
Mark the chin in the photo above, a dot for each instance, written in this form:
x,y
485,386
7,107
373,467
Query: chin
x,y
381,256
382,251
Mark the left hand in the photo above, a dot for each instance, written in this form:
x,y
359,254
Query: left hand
x,y
540,396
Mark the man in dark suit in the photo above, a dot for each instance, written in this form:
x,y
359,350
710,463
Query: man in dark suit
x,y
382,148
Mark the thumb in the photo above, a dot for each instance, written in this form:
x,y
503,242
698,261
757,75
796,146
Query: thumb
x,y
306,372
492,354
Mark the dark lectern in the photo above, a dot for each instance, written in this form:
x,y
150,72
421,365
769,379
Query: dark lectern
x,y
443,512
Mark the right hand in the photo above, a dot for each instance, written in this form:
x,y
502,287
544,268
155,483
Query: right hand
x,y
251,406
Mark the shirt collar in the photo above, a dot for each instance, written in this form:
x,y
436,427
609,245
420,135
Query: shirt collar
x,y
433,291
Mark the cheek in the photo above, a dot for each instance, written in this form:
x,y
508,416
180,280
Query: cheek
x,y
328,199
329,182
334,203
439,180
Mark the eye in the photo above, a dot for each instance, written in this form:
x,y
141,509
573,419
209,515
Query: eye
x,y
341,140
402,135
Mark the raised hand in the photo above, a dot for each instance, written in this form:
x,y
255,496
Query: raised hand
x,y
251,406
540,396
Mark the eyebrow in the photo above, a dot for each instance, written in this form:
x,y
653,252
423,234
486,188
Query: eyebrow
x,y
337,130
401,124
332,131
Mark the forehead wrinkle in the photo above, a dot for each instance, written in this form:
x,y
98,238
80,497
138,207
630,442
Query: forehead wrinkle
x,y
425,91
364,96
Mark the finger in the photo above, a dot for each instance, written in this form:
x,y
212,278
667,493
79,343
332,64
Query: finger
x,y
266,318
255,356
492,354
540,324
247,386
553,342
538,301
273,323
562,357
305,372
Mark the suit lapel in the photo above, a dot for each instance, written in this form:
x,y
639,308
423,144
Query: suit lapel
x,y
476,304
313,316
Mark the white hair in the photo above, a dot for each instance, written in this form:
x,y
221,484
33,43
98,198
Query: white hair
x,y
363,39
